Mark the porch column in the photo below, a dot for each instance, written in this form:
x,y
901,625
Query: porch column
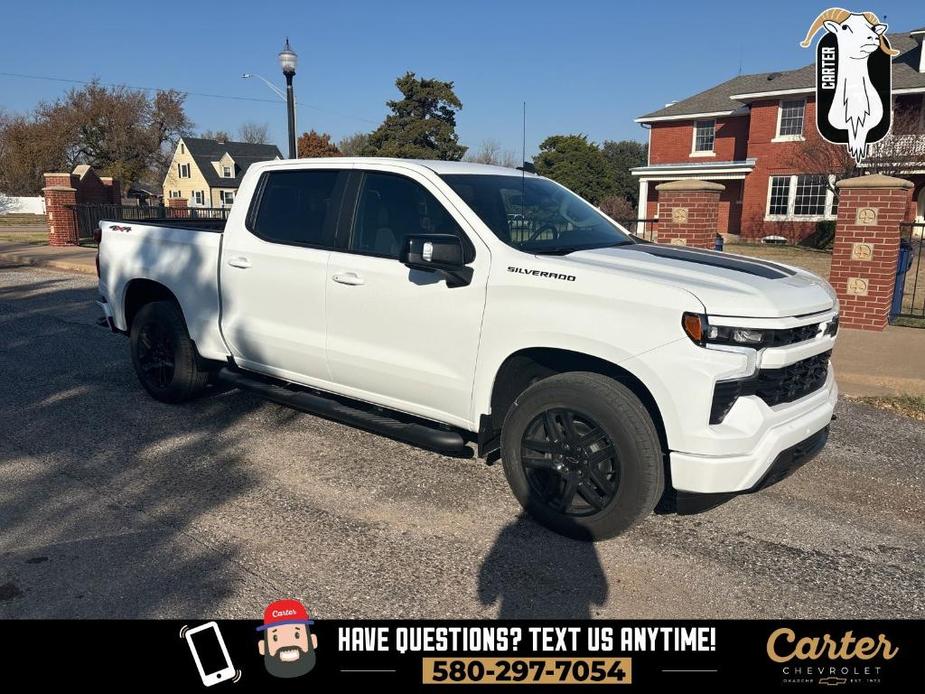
x,y
870,210
643,207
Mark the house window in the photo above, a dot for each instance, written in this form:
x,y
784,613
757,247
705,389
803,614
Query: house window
x,y
200,197
226,172
791,118
704,135
175,193
780,195
801,196
183,170
227,197
810,196
182,149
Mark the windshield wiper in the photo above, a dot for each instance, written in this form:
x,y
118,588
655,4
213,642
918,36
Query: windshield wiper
x,y
561,250
615,244
565,250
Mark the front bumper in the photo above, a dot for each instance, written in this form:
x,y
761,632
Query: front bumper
x,y
784,465
711,474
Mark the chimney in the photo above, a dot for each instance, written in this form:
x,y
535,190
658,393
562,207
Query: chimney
x,y
919,36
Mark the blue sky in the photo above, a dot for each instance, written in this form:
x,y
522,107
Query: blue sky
x,y
581,66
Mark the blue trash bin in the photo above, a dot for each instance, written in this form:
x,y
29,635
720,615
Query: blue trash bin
x,y
718,242
903,263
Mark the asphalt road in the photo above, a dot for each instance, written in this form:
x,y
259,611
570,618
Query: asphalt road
x,y
114,505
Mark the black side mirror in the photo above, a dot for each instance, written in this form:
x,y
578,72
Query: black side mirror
x,y
437,253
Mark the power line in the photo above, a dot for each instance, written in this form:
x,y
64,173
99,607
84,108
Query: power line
x,y
188,93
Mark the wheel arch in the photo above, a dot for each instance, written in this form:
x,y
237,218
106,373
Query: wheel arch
x,y
529,365
141,291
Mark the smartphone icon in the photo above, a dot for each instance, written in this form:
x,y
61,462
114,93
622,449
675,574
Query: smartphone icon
x,y
210,654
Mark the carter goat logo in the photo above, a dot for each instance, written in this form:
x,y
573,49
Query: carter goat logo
x,y
853,79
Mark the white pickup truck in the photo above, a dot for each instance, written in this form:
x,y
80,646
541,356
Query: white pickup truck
x,y
449,304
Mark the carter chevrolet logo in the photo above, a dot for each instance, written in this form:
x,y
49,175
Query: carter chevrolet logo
x,y
853,79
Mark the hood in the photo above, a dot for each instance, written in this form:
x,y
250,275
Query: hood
x,y
726,284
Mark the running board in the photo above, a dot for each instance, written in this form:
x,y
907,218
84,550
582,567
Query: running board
x,y
441,440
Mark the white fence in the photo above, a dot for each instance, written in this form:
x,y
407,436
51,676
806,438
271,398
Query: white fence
x,y
10,204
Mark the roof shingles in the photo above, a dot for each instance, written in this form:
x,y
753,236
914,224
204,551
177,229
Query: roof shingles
x,y
719,98
244,154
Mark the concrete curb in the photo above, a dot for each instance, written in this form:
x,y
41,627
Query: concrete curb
x,y
50,263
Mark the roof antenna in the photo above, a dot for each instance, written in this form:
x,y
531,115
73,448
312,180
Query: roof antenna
x,y
523,169
740,58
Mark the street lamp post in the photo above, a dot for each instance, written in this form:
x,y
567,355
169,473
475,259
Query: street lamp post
x,y
288,60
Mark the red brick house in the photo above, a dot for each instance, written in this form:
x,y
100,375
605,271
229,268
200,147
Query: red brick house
x,y
752,134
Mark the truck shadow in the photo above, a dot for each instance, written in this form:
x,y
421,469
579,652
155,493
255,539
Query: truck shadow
x,y
532,573
102,485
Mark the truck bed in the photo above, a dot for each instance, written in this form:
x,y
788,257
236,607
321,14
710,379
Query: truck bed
x,y
182,257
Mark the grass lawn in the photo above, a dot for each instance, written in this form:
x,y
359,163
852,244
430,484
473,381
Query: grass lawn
x,y
34,238
908,405
818,262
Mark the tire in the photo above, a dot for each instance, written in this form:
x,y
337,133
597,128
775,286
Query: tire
x,y
164,356
612,444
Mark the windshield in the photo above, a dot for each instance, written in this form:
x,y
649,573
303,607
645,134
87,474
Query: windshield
x,y
536,215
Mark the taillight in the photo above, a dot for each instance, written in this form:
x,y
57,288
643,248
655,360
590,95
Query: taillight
x,y
98,238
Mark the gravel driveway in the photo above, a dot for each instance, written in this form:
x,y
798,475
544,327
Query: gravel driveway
x,y
114,505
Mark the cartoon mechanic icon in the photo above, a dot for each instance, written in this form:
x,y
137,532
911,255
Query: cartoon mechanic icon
x,y
287,647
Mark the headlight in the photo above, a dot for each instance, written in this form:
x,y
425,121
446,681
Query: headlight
x,y
698,329
702,333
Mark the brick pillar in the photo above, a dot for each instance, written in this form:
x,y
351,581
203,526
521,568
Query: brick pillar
x,y
913,210
60,196
688,212
870,210
114,189
176,207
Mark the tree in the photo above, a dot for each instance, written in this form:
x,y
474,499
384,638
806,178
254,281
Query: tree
x,y
314,144
621,156
422,124
353,145
254,133
28,149
619,208
120,132
577,164
218,135
490,152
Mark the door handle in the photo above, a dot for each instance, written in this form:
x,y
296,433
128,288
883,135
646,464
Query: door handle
x,y
351,278
239,261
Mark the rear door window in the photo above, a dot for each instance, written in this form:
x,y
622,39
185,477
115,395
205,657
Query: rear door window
x,y
298,207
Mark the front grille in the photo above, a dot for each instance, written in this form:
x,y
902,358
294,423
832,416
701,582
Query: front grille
x,y
774,386
790,336
792,382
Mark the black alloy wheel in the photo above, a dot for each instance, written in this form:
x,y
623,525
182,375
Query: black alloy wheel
x,y
156,355
570,462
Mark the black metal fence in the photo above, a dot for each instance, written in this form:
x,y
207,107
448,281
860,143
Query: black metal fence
x,y
910,275
642,228
89,215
